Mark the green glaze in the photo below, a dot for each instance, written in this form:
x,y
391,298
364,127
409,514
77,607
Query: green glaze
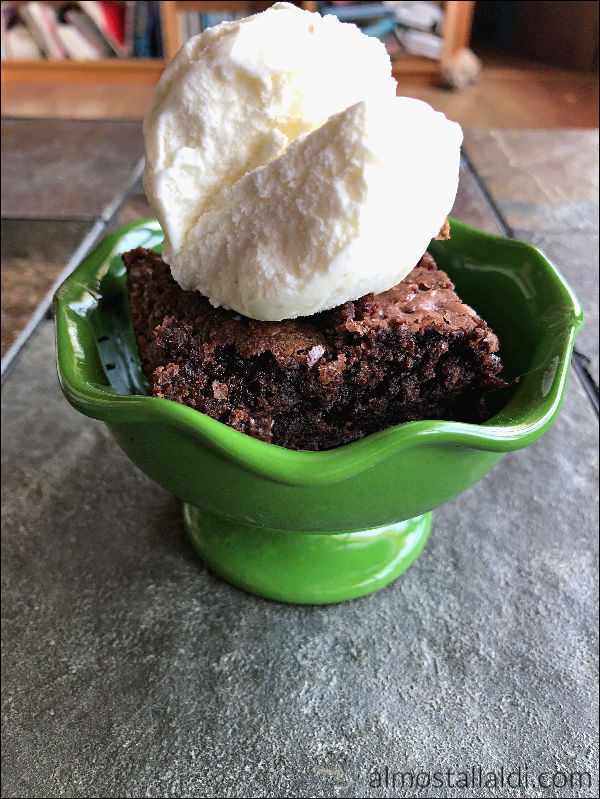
x,y
255,492
308,568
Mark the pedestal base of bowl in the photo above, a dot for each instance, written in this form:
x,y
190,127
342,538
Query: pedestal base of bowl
x,y
306,568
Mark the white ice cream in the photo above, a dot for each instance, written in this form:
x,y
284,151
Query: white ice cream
x,y
267,207
347,209
234,98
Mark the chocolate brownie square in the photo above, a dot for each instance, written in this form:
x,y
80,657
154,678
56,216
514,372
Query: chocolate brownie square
x,y
413,352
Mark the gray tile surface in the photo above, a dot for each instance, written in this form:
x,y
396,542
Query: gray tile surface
x,y
135,208
131,670
60,168
576,256
545,186
34,254
540,179
470,205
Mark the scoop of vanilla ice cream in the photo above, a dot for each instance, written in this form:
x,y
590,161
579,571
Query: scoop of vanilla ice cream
x,y
234,98
348,209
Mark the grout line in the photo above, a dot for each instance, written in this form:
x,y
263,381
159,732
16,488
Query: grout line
x,y
494,210
41,311
578,360
111,210
580,365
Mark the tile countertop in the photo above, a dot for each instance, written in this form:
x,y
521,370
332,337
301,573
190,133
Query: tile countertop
x,y
131,670
62,181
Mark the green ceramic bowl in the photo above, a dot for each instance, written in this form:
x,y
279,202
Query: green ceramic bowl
x,y
317,527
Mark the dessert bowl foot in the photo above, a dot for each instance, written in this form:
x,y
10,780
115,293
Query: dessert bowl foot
x,y
305,568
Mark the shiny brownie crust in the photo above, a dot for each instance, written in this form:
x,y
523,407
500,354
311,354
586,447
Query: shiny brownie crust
x,y
414,352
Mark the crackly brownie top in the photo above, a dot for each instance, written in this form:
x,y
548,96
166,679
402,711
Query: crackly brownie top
x,y
425,300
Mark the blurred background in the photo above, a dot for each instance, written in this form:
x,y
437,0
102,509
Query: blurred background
x,y
501,64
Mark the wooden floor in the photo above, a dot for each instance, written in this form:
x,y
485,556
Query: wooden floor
x,y
518,96
509,95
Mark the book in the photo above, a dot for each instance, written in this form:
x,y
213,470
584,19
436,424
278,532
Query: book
x,y
212,18
77,47
41,22
114,22
154,30
5,18
129,25
141,45
356,11
193,25
21,46
182,20
420,43
109,21
392,45
17,41
425,16
379,28
73,16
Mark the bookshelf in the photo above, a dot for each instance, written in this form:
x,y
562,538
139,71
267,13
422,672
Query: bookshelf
x,y
171,10
457,29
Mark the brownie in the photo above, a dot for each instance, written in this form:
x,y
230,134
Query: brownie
x,y
316,382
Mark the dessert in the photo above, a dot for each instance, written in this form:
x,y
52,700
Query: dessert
x,y
296,193
346,210
235,97
287,176
413,352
